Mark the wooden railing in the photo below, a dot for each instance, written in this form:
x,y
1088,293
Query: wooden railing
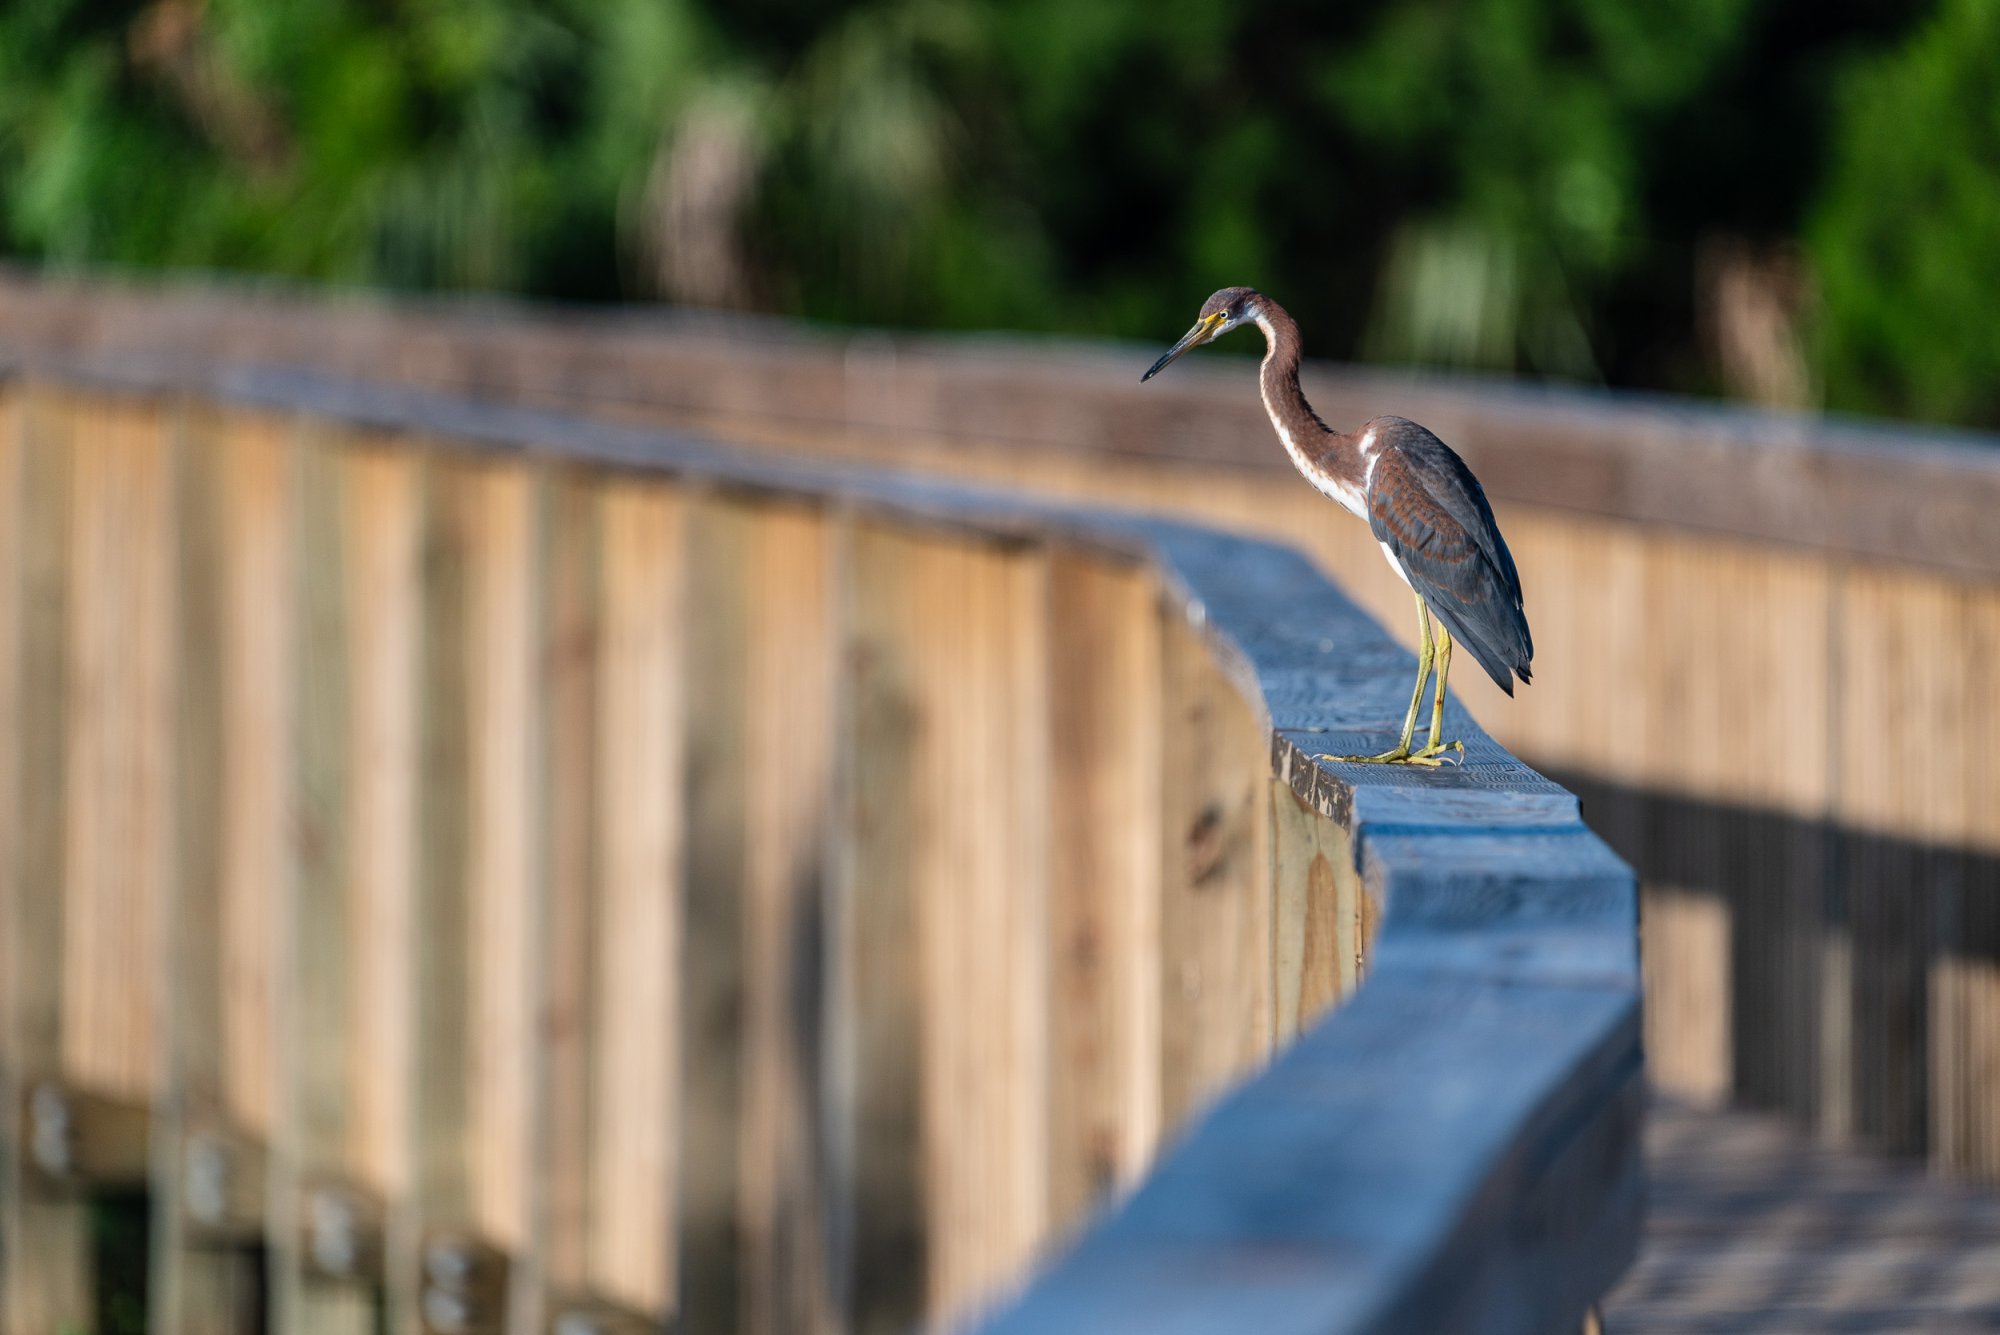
x,y
1765,643
485,870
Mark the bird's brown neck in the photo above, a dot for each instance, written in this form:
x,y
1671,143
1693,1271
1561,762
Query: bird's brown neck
x,y
1279,378
1322,454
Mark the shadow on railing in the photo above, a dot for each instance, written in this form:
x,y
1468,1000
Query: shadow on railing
x,y
487,869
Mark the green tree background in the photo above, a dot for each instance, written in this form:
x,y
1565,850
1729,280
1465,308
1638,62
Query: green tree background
x,y
1796,201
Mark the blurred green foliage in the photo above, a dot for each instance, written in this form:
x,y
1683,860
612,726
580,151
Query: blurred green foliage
x,y
1906,237
1676,193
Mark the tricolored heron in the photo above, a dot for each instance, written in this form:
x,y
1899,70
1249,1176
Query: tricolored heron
x,y
1425,506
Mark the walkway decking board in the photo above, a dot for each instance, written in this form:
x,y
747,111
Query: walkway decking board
x,y
1753,1228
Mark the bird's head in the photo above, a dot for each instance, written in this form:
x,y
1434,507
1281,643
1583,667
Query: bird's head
x,y
1224,311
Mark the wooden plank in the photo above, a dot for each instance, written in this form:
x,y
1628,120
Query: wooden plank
x,y
1750,1222
636,1062
386,592
1737,680
794,1276
437,1204
45,1275
190,1288
718,774
234,845
1901,673
1217,1008
981,882
1688,952
117,849
1527,907
572,645
877,970
88,946
1966,1034
116,874
504,856
1104,876
309,1139
13,551
258,675
1316,896
345,1145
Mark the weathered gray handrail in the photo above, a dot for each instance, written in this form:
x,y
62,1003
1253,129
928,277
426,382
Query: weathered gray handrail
x,y
1457,1147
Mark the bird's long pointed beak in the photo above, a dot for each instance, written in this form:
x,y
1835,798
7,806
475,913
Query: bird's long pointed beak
x,y
1203,331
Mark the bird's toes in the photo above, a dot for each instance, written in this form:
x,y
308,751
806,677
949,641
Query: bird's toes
x,y
1434,755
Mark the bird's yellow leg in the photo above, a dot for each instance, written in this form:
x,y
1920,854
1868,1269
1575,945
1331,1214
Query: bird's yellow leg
x,y
1435,747
1426,655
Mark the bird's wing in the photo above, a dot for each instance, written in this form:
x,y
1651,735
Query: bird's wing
x,y
1428,509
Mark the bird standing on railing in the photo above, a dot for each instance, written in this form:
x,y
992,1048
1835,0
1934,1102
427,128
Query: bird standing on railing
x,y
1425,507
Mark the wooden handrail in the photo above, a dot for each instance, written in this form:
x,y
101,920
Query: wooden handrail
x,y
1908,493
1454,1147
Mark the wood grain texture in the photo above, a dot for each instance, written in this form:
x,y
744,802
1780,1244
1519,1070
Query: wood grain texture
x,y
1316,1257
118,835
1218,1016
718,774
382,537
234,846
1105,848
981,882
1496,904
1751,1222
437,949
45,1261
1656,592
13,499
636,1072
793,1269
505,855
197,1015
1777,478
351,1140
257,675
879,974
1523,1205
1316,907
572,646
313,1139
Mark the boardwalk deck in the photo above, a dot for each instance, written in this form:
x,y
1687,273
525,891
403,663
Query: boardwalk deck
x,y
1755,1229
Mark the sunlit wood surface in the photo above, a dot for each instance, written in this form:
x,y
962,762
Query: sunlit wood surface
x,y
1767,646
466,871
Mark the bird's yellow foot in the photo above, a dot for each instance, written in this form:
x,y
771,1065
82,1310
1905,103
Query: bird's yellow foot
x,y
1435,751
1401,755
